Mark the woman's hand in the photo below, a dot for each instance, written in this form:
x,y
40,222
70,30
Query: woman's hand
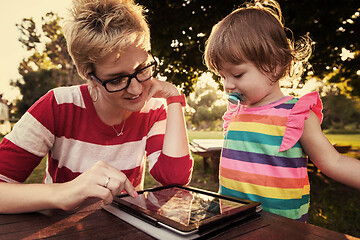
x,y
161,89
101,181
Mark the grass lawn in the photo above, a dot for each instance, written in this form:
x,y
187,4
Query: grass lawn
x,y
333,205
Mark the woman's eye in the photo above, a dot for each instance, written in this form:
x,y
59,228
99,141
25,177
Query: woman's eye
x,y
119,81
238,75
143,72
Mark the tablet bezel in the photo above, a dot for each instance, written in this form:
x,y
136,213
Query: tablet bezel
x,y
159,220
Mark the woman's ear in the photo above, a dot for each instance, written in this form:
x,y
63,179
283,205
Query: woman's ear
x,y
90,81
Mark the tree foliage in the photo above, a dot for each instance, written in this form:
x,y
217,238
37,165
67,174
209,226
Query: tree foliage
x,y
48,46
335,28
49,64
339,110
180,28
33,86
206,111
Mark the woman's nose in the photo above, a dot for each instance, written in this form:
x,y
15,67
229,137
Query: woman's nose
x,y
135,87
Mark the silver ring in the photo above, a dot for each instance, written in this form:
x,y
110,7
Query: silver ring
x,y
107,182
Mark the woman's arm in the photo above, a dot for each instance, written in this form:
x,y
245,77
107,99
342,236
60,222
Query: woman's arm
x,y
19,198
175,140
321,152
101,181
173,164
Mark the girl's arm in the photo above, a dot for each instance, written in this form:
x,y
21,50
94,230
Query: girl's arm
x,y
321,152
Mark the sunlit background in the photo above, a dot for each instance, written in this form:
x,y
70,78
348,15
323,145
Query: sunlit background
x,y
11,51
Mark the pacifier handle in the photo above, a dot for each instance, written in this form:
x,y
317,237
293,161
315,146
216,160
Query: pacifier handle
x,y
236,99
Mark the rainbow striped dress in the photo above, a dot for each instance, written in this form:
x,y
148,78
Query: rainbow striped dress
x,y
262,159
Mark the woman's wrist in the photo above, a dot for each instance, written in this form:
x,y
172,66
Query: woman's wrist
x,y
176,99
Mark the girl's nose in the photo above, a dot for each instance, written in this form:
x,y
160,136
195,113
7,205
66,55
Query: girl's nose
x,y
228,85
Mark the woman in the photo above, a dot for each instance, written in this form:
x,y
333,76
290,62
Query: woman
x,y
98,135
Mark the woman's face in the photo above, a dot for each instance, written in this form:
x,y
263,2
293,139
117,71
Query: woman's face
x,y
132,59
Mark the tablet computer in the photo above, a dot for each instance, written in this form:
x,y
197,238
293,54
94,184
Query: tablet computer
x,y
186,210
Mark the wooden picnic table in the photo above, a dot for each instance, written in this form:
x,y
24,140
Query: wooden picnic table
x,y
210,150
90,221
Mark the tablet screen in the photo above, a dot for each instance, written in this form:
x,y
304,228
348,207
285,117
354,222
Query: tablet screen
x,y
182,206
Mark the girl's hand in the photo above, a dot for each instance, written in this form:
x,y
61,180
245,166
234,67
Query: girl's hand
x,y
161,89
101,181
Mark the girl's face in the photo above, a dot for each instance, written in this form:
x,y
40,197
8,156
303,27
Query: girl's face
x,y
246,79
132,59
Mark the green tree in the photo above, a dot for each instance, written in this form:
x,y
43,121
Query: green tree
x,y
206,110
339,110
49,64
335,29
180,28
33,86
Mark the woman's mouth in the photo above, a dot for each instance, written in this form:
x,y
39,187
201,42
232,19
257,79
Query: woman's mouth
x,y
134,98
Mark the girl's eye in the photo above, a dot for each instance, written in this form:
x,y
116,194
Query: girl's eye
x,y
238,75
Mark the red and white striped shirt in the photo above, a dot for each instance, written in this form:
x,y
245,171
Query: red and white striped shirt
x,y
64,125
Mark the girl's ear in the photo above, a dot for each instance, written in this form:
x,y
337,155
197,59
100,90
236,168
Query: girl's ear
x,y
275,76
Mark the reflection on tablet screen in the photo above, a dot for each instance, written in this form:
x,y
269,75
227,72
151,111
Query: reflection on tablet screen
x,y
183,206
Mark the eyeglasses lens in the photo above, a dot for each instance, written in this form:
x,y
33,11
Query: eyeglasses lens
x,y
123,82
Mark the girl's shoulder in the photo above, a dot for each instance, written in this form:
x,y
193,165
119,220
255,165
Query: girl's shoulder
x,y
304,104
298,114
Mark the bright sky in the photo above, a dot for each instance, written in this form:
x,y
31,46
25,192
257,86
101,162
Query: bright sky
x,y
11,50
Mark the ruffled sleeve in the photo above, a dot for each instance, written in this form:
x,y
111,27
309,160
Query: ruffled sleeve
x,y
297,117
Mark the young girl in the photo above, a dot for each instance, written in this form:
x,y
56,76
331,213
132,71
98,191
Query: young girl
x,y
268,134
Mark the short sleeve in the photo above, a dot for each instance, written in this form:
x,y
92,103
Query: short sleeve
x,y
297,117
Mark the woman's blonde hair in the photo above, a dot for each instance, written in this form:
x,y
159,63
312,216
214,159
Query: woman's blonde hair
x,y
98,27
256,33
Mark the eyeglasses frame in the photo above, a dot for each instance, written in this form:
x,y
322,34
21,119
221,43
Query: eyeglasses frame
x,y
129,76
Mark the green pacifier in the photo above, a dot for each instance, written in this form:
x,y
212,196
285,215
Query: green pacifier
x,y
236,99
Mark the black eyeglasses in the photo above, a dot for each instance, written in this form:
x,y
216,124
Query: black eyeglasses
x,y
122,82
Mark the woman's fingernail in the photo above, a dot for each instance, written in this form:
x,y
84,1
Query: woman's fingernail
x,y
135,194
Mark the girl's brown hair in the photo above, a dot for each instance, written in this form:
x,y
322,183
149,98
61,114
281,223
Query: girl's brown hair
x,y
256,33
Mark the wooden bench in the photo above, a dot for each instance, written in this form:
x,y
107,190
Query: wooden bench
x,y
209,150
342,148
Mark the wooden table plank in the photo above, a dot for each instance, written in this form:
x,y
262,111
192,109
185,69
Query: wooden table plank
x,y
283,228
91,222
88,222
